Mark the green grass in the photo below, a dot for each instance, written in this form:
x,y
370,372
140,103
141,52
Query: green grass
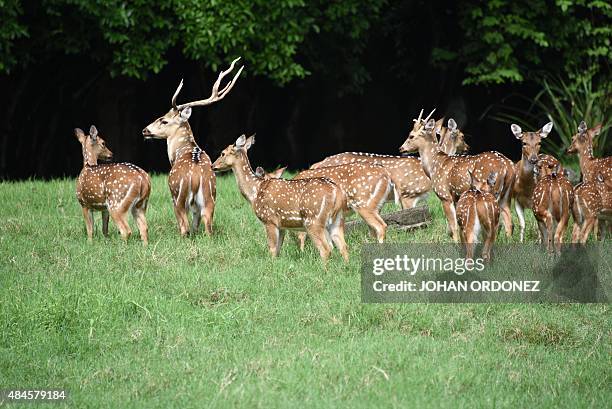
x,y
215,322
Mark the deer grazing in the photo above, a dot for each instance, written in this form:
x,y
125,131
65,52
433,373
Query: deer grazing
x,y
551,202
114,189
191,180
478,215
525,178
449,174
410,183
315,205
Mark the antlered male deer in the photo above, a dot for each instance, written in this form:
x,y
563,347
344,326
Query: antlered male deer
x,y
315,205
525,179
478,215
191,180
114,189
449,174
552,201
411,184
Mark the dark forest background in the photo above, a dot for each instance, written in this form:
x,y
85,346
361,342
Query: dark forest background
x,y
321,76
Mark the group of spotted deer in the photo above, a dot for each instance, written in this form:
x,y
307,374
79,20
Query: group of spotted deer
x,y
475,190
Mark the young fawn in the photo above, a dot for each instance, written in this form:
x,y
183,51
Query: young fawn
x,y
315,205
410,183
114,188
552,201
449,173
478,215
525,179
191,180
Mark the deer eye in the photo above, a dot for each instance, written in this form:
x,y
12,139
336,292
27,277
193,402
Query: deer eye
x,y
164,122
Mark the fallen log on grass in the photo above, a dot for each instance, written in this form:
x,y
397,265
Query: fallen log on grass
x,y
406,219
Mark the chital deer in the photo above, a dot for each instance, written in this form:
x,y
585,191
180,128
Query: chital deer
x,y
478,215
114,189
411,184
585,210
449,174
525,179
366,188
582,145
552,201
315,205
191,180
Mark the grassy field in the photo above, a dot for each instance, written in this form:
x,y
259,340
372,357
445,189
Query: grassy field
x,y
215,322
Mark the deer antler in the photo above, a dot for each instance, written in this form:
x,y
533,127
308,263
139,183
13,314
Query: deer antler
x,y
176,94
216,95
420,116
429,116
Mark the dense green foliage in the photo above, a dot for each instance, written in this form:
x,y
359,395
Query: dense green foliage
x,y
215,322
494,42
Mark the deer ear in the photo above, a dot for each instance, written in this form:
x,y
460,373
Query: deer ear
x,y
439,125
185,114
595,131
278,173
536,169
93,132
259,172
80,135
249,142
452,125
492,178
430,125
600,177
240,142
582,127
516,130
546,130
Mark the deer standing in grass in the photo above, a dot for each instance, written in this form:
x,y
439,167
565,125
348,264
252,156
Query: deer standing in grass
x,y
315,205
478,215
114,188
525,178
449,174
410,183
552,201
191,180
593,198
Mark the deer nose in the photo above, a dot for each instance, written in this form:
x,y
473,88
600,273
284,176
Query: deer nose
x,y
146,132
533,159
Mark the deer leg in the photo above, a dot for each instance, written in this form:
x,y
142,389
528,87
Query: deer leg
x,y
181,218
408,202
451,218
337,235
274,239
577,231
301,236
584,230
491,235
88,216
376,223
506,215
542,230
105,217
549,233
196,216
521,217
207,215
120,219
560,232
141,221
317,235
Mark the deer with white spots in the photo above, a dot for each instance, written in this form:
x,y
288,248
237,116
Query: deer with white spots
x,y
478,215
449,173
114,188
593,198
315,205
410,183
525,179
191,180
553,196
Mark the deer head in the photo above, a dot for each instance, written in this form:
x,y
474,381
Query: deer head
x,y
275,174
584,138
176,119
423,131
531,141
452,140
485,186
94,147
545,167
233,154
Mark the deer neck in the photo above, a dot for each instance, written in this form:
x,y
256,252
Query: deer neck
x,y
89,158
182,141
248,183
585,156
428,153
